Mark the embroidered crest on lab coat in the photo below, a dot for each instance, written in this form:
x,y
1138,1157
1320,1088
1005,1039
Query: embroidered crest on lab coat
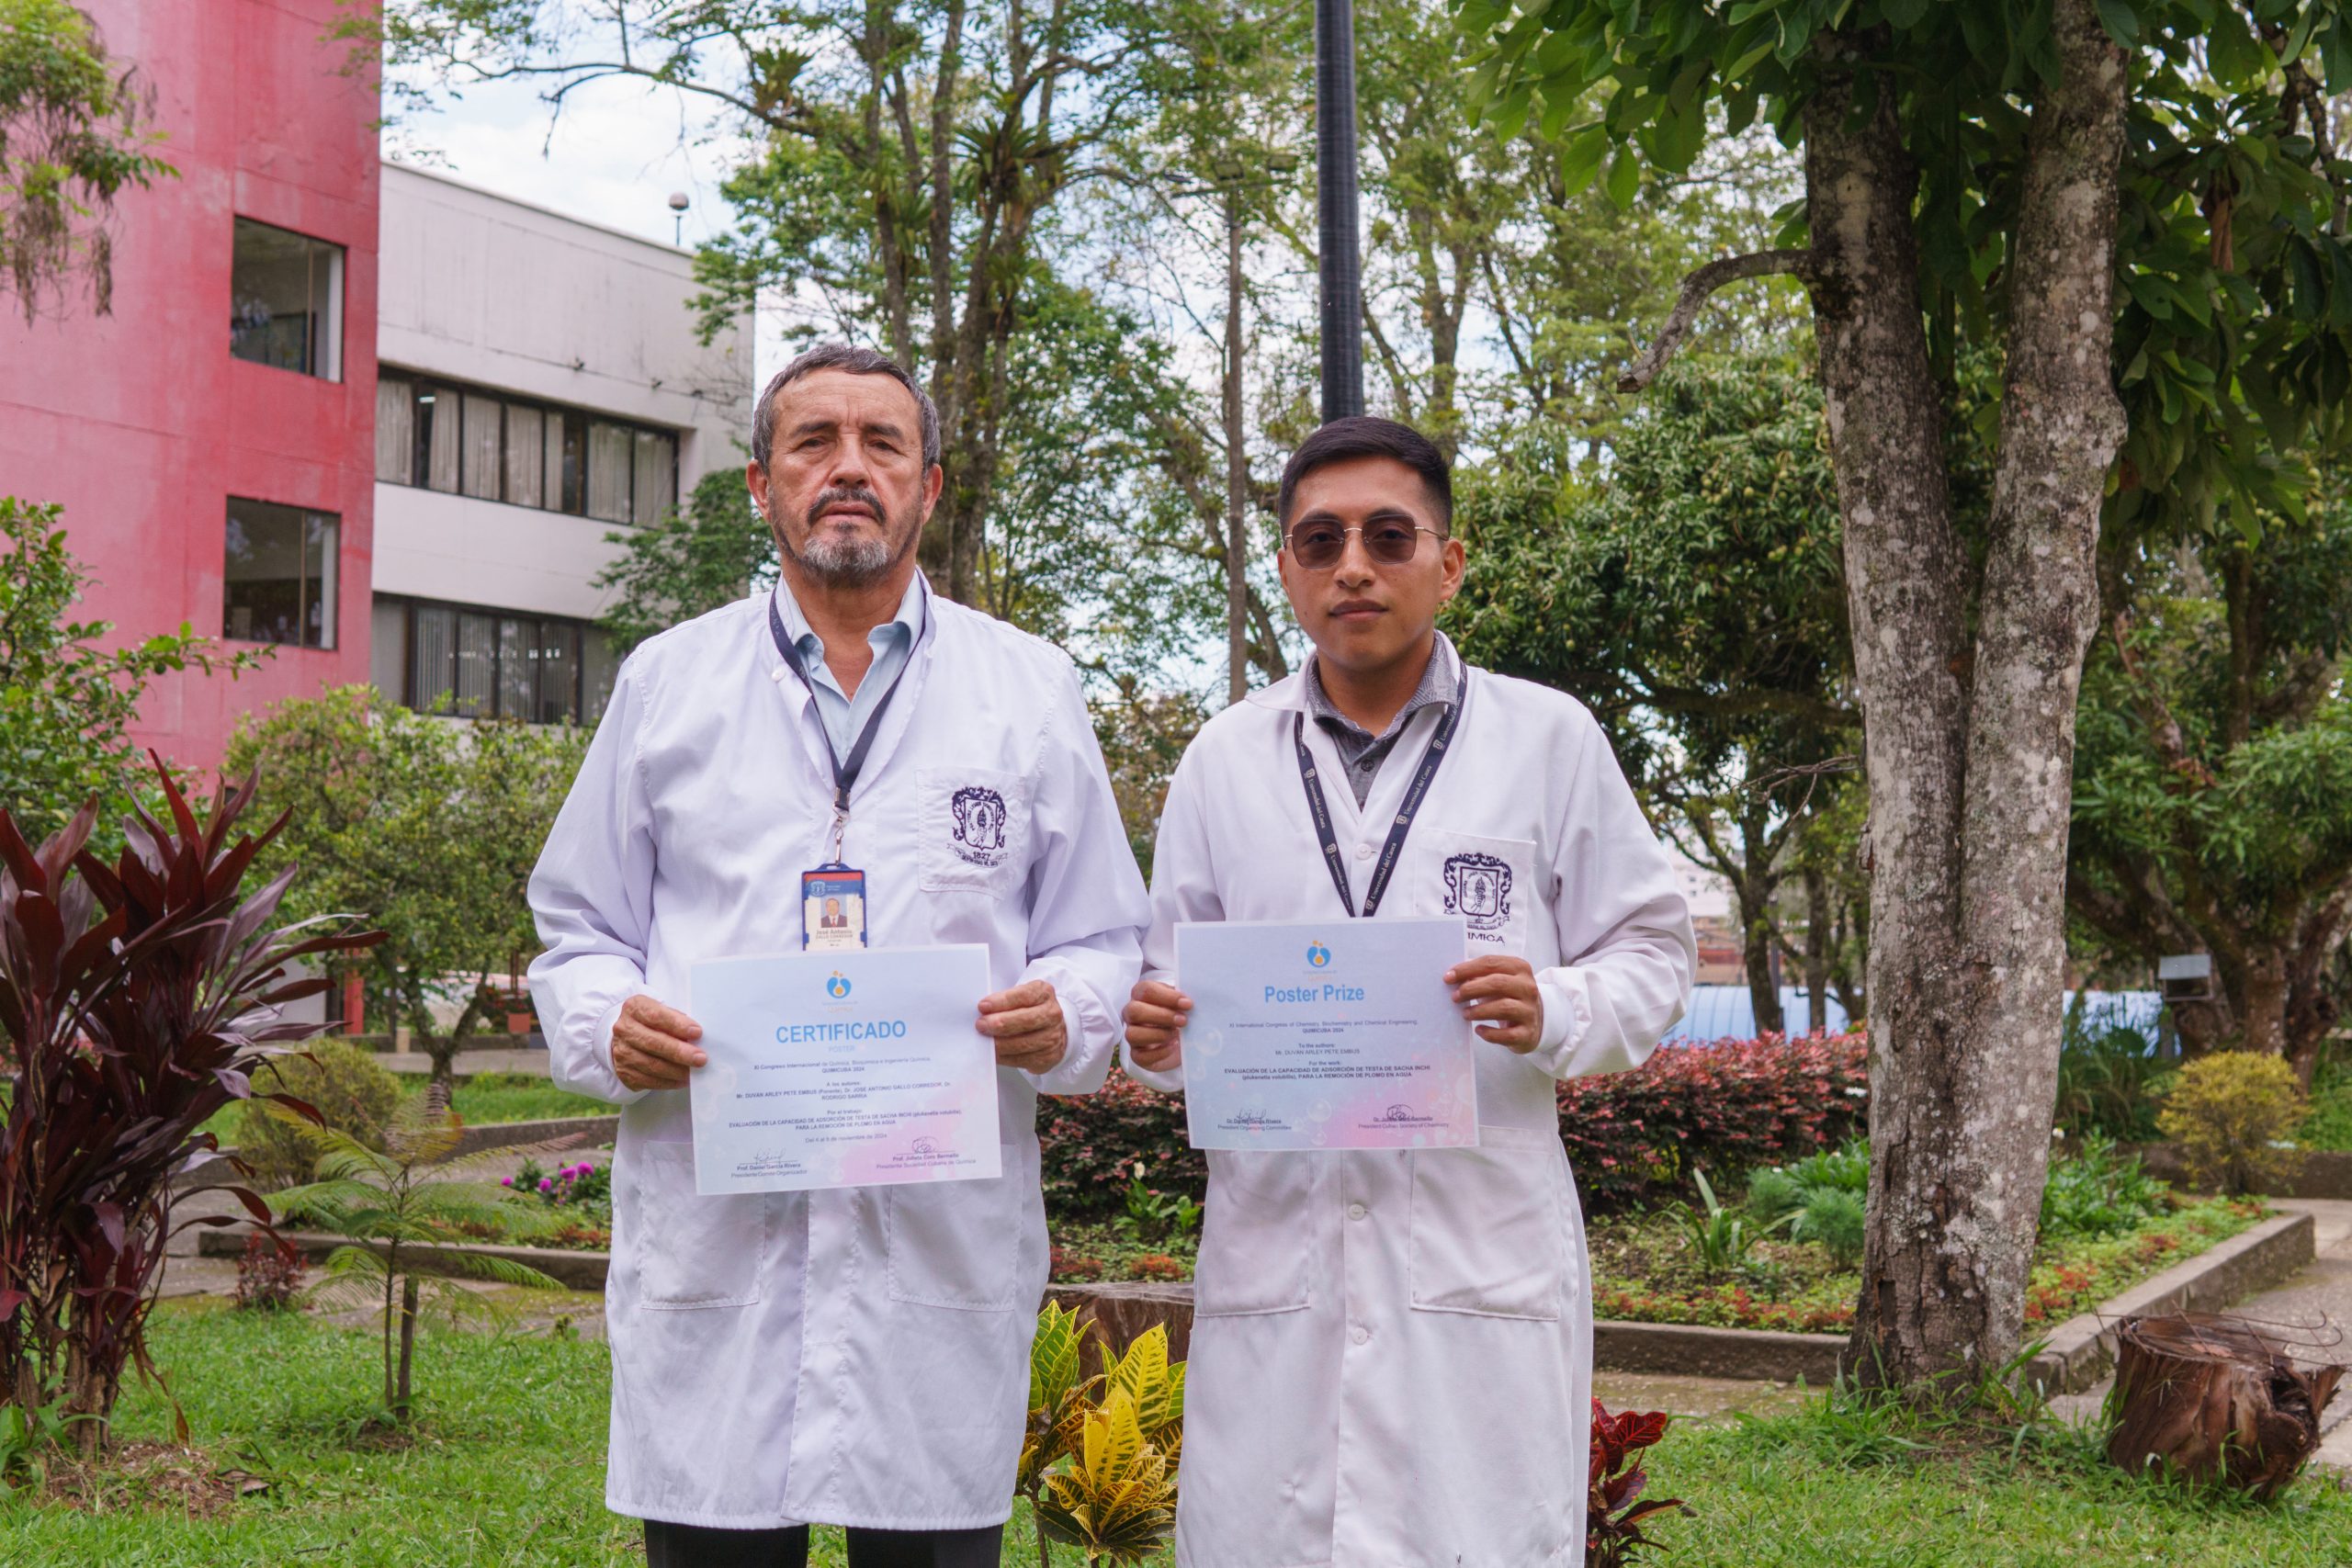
x,y
1477,887
979,825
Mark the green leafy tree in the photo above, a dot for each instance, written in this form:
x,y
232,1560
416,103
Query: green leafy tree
x,y
406,1212
75,132
67,702
2213,786
2171,296
709,552
1690,593
431,827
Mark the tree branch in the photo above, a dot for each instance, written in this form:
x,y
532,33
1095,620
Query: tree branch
x,y
1695,291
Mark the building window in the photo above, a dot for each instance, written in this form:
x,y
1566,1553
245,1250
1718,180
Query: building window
x,y
286,300
278,574
467,441
485,663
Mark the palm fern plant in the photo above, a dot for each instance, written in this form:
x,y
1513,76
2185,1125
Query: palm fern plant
x,y
400,1213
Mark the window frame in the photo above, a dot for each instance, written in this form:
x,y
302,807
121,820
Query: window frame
x,y
322,360
585,708
322,590
430,395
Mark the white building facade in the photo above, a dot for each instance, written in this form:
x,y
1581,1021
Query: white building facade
x,y
542,385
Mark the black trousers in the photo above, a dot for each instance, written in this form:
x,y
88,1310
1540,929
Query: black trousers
x,y
699,1546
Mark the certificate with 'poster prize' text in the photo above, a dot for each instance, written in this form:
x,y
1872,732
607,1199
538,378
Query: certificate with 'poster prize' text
x,y
855,1068
1340,1034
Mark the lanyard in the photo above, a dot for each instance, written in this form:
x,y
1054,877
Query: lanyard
x,y
844,772
1415,792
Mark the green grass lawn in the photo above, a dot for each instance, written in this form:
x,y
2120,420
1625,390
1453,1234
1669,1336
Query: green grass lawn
x,y
483,1098
513,1096
508,1469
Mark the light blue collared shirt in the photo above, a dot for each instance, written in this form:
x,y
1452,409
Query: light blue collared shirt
x,y
892,642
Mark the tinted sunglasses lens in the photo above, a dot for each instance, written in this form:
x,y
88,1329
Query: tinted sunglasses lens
x,y
1316,548
1391,546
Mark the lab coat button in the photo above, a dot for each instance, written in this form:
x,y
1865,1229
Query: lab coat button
x,y
1361,1334
1363,852
1357,1210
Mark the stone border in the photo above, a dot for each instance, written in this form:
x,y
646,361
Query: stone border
x,y
2081,1350
579,1270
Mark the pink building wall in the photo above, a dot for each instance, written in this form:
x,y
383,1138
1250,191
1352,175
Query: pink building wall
x,y
140,423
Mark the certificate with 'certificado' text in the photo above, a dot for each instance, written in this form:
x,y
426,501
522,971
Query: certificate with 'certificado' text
x,y
857,1068
1339,1034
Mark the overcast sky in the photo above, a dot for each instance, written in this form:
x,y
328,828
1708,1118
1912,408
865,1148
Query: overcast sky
x,y
614,156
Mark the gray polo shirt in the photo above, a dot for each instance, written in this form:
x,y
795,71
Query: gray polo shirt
x,y
1361,751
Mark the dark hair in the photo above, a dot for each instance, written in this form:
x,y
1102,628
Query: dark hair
x,y
1359,435
857,362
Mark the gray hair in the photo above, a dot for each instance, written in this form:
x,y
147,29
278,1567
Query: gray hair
x,y
857,362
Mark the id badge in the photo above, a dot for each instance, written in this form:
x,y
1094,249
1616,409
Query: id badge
x,y
833,909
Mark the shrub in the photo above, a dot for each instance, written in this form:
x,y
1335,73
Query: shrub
x,y
1634,1137
2232,1115
2097,1192
269,1274
351,1094
1835,1219
1091,1145
2105,1074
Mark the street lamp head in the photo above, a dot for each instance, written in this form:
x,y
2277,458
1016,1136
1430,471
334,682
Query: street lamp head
x,y
678,201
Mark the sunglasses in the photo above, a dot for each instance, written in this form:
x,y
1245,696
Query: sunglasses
x,y
1318,546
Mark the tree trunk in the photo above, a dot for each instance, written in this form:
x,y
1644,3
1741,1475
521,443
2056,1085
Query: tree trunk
x,y
1818,937
1755,935
1968,750
408,1348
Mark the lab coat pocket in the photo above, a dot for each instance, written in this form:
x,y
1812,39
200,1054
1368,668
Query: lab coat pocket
x,y
1490,883
974,829
955,1244
693,1251
1255,1243
1488,1234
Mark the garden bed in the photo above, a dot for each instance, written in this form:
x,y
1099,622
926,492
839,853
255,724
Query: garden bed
x,y
1643,1271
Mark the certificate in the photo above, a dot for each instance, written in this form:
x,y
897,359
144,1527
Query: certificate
x,y
1337,1034
858,1068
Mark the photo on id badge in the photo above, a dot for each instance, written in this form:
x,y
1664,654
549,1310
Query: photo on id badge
x,y
833,909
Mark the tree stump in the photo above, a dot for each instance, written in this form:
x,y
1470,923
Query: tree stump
x,y
1124,1309
2212,1398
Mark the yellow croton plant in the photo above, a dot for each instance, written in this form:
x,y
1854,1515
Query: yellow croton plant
x,y
1099,1463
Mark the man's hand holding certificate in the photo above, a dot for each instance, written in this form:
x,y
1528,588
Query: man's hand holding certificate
x,y
842,1069
1342,1035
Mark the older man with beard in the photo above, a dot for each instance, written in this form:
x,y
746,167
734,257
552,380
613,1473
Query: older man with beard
x,y
858,1356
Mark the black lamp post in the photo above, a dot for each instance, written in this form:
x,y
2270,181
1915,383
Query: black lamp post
x,y
1340,270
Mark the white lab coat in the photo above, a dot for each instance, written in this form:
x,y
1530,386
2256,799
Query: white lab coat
x,y
1392,1350
860,1356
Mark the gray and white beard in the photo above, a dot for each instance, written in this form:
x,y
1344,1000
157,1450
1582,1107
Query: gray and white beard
x,y
844,560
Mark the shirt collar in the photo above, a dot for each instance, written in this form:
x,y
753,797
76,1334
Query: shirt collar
x,y
1438,682
901,627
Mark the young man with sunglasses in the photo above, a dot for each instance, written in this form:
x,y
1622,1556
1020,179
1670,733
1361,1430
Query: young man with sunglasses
x,y
1392,1349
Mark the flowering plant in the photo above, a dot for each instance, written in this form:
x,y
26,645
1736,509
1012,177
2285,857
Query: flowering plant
x,y
585,1185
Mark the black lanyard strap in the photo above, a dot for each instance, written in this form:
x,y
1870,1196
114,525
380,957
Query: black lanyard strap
x,y
844,772
1415,792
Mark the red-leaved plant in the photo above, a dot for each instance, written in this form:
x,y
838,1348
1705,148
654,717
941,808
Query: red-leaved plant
x,y
1613,1510
135,1000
